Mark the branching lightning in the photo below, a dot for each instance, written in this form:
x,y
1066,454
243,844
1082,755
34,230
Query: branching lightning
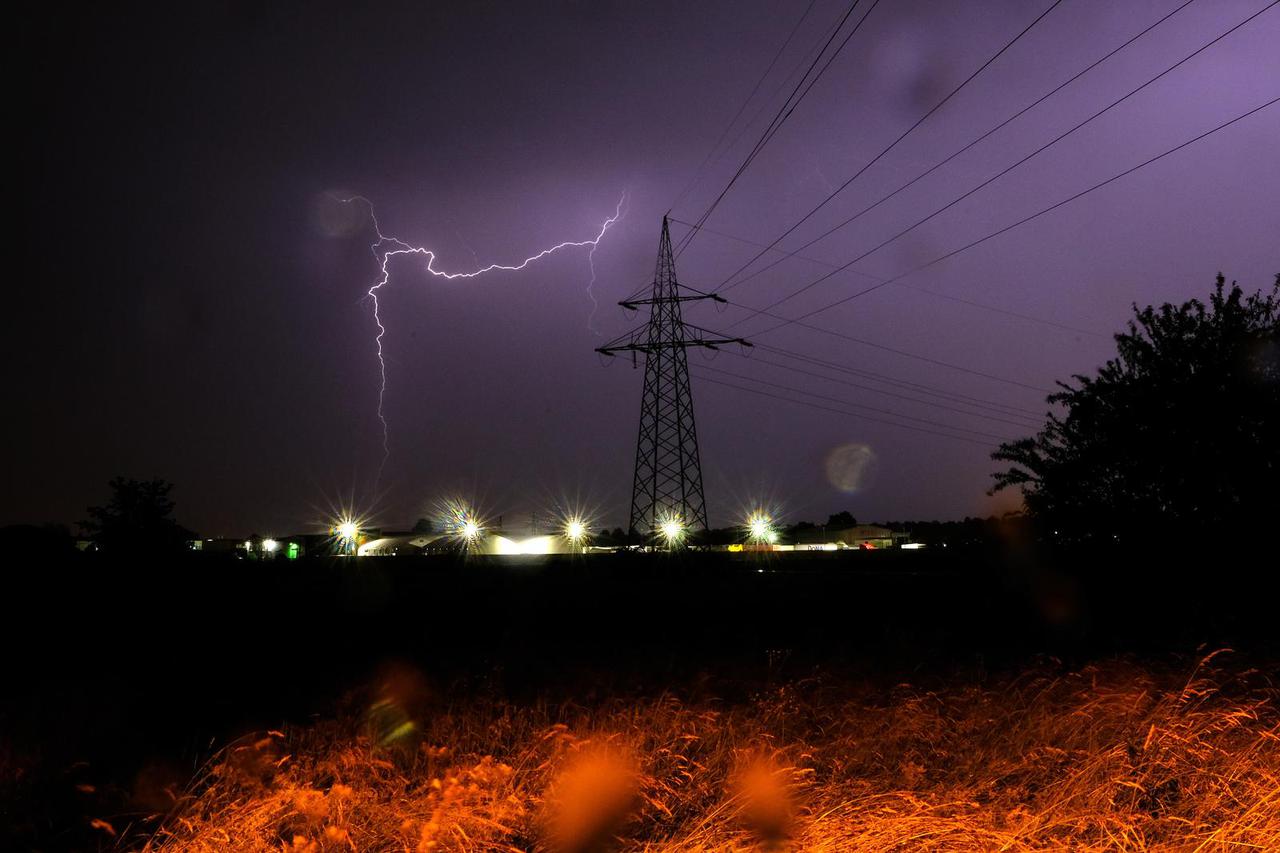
x,y
387,246
591,262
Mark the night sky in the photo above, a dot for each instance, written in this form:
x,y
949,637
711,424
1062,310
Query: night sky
x,y
190,300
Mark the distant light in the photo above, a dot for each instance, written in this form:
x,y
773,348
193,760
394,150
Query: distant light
x,y
464,525
532,545
270,544
760,528
672,530
346,534
913,546
574,530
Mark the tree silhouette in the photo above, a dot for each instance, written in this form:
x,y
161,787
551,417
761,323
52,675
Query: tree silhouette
x,y
1179,431
139,517
842,520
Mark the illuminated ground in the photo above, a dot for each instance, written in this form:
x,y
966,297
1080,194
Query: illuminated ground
x,y
905,700
1116,756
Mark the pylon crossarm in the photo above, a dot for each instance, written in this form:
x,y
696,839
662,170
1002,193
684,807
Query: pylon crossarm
x,y
714,334
711,342
632,303
624,340
647,347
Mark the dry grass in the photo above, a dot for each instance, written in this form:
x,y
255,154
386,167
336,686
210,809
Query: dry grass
x,y
1115,756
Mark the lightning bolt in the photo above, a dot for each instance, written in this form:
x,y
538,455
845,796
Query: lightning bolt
x,y
618,213
387,247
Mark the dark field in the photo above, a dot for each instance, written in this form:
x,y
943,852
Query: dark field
x,y
866,695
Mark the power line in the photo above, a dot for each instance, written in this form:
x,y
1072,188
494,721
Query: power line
x,y
891,145
904,353
843,412
844,336
970,302
842,402
785,111
716,147
809,56
812,56
920,388
797,320
978,414
1006,171
952,156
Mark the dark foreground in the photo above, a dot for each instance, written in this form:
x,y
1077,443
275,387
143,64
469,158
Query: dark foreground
x,y
123,679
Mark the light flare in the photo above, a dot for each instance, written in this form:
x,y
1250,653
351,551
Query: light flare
x,y
346,531
760,529
463,523
575,531
672,530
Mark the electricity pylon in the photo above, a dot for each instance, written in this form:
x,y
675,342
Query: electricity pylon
x,y
666,498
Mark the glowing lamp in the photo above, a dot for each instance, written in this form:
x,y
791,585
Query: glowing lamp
x,y
671,529
347,530
575,530
270,544
760,528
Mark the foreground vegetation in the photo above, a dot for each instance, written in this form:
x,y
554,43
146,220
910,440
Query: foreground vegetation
x,y
1116,755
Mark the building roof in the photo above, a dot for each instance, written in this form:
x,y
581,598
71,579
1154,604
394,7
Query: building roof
x,y
862,532
847,535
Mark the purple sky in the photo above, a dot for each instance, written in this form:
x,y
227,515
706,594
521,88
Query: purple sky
x,y
192,306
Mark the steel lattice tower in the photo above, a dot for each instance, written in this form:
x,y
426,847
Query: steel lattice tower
x,y
668,473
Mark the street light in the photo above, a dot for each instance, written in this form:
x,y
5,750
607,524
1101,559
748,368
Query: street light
x,y
347,533
760,528
671,530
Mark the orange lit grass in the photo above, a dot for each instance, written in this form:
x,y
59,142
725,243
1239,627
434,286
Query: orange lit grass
x,y
1114,757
